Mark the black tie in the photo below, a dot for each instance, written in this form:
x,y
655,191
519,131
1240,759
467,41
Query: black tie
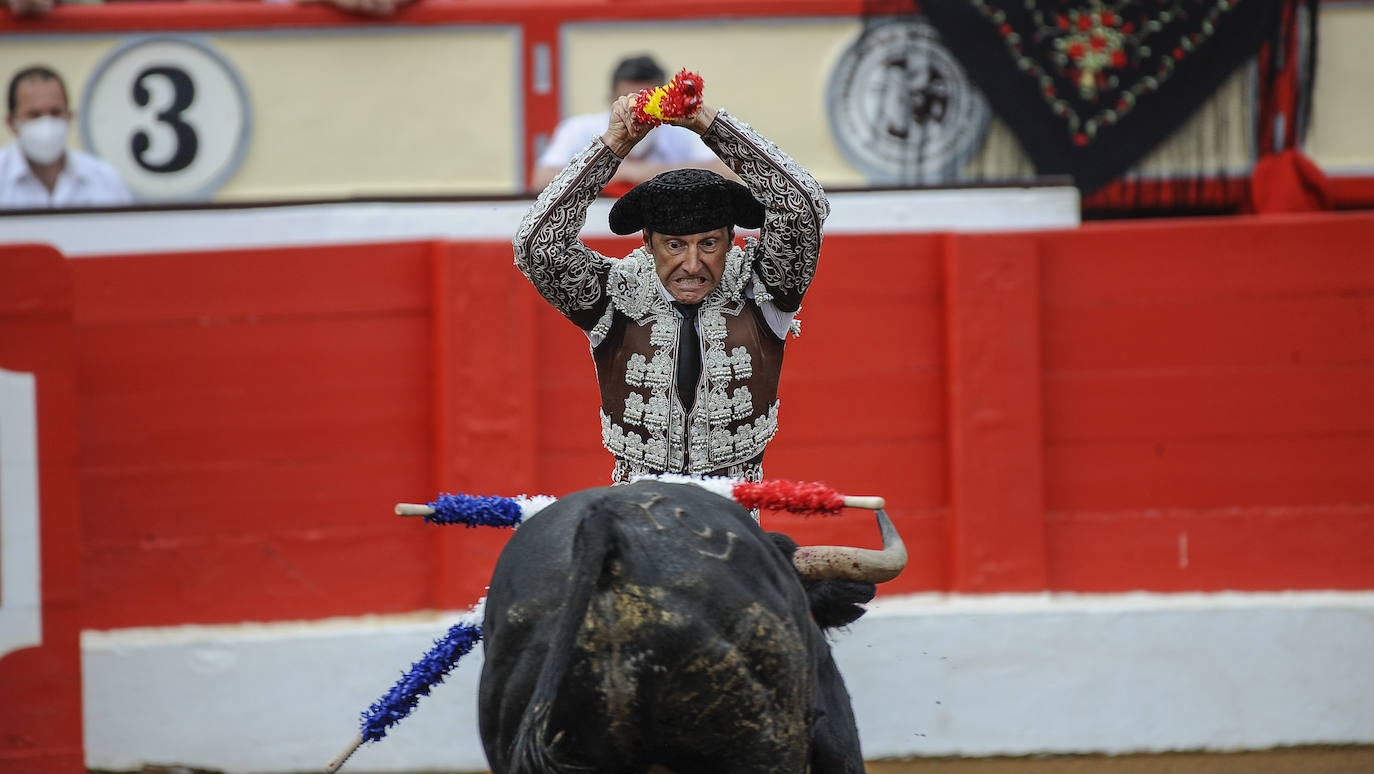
x,y
688,355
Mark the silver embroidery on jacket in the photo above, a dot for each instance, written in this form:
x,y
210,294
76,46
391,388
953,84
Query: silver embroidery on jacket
x,y
719,432
651,435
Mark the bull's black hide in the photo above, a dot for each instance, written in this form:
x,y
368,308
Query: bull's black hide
x,y
656,625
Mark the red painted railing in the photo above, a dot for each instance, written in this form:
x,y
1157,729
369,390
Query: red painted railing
x,y
1169,406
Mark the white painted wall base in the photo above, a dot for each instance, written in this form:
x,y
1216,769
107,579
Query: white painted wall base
x,y
78,234
21,583
930,675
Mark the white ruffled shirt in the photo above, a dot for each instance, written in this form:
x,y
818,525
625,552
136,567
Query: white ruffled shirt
x,y
85,181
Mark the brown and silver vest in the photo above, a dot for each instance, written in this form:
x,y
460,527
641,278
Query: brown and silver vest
x,y
735,412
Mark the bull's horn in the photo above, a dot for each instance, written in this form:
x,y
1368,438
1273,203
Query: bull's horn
x,y
857,564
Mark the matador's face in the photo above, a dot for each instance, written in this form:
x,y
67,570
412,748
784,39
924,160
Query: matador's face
x,y
690,266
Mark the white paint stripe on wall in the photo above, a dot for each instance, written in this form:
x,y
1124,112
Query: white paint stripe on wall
x,y
77,234
929,674
272,697
21,614
1114,674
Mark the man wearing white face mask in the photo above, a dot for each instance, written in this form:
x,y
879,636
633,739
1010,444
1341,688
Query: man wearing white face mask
x,y
38,170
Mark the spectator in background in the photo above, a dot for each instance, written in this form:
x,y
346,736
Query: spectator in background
x,y
38,170
28,7
666,147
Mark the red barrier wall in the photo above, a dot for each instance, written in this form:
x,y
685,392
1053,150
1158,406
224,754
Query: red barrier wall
x,y
40,684
1207,405
1166,406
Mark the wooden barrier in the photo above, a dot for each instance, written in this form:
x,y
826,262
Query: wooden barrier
x,y
40,544
1164,406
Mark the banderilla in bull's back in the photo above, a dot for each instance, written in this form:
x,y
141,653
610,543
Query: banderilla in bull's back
x,y
812,564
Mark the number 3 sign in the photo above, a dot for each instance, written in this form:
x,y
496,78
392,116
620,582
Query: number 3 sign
x,y
170,114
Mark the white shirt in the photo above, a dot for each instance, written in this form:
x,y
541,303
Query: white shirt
x,y
663,144
85,181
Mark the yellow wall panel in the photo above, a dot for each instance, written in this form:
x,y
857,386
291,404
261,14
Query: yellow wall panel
x,y
382,110
1343,108
349,113
377,112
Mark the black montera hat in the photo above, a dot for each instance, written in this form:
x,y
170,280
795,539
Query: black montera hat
x,y
685,201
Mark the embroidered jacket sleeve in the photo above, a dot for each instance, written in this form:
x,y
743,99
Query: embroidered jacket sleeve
x,y
567,273
795,206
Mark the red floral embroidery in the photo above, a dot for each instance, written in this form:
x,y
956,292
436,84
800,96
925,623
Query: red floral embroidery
x,y
1092,63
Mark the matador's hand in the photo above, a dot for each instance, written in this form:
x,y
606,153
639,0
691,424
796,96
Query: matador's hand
x,y
699,121
623,132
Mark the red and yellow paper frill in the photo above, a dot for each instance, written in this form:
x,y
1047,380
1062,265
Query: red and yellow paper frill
x,y
679,98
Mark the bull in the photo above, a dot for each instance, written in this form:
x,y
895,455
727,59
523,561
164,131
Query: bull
x,y
655,627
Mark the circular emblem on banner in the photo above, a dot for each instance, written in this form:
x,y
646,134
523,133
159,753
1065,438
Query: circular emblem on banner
x,y
170,114
901,108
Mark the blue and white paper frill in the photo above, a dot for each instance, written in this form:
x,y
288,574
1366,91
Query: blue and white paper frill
x,y
486,510
424,674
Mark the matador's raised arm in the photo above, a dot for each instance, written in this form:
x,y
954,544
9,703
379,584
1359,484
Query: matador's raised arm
x,y
572,276
794,204
548,251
